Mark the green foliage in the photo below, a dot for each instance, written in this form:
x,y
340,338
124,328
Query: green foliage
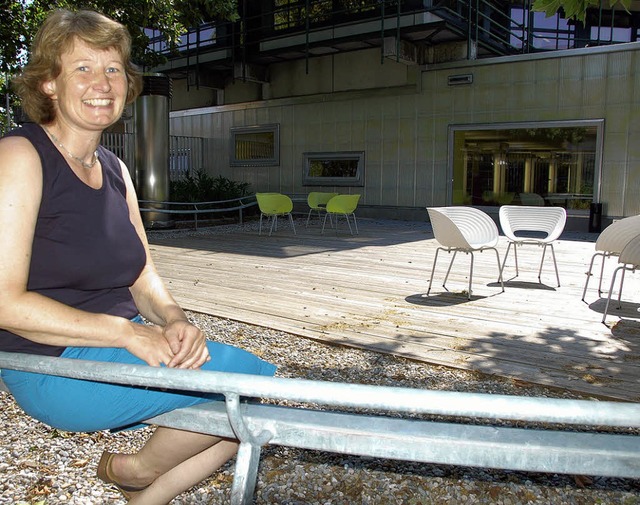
x,y
21,18
201,187
574,9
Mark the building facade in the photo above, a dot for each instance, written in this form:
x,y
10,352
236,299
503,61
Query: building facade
x,y
411,110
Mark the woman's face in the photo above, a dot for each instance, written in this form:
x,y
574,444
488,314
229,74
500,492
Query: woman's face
x,y
90,92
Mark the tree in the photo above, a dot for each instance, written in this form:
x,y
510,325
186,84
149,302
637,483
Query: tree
x,y
172,18
576,9
20,19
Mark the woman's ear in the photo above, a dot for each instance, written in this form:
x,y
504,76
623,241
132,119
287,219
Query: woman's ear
x,y
49,89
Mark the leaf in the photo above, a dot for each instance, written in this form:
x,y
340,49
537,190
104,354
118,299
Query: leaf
x,y
574,9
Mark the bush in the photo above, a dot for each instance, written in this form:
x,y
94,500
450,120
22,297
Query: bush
x,y
202,187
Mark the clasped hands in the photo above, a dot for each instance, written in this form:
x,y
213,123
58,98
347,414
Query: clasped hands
x,y
178,344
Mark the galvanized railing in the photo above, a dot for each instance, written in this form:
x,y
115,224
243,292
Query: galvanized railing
x,y
197,208
396,423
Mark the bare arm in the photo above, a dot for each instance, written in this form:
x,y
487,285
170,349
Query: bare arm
x,y
156,303
29,314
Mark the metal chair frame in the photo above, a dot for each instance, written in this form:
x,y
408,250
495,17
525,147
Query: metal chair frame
x,y
463,229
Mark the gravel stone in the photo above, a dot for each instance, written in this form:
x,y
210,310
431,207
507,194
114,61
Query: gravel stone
x,y
40,465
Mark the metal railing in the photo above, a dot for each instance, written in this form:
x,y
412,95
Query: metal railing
x,y
197,208
186,154
471,436
501,27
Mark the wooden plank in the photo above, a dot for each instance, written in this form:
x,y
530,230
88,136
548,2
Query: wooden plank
x,y
369,291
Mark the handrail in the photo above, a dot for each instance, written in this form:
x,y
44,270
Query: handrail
x,y
471,442
244,202
359,396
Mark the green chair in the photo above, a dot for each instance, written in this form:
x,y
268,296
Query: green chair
x,y
318,201
342,205
273,205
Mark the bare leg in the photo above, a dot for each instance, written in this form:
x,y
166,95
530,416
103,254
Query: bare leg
x,y
180,458
186,475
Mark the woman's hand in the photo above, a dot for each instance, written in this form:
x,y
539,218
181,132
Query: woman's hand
x,y
187,343
150,345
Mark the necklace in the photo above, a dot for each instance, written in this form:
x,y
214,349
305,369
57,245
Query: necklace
x,y
84,164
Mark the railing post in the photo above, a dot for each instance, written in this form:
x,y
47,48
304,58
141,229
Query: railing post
x,y
245,474
246,470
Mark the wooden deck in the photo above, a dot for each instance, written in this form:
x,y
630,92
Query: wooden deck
x,y
369,291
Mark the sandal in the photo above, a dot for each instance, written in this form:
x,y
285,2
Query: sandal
x,y
104,474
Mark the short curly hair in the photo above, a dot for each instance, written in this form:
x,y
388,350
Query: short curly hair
x,y
55,37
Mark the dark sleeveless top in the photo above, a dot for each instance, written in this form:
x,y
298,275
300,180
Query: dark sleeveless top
x,y
86,253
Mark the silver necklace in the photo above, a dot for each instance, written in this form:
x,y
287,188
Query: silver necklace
x,y
71,155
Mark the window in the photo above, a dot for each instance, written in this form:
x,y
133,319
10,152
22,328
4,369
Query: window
x,y
334,169
255,146
550,163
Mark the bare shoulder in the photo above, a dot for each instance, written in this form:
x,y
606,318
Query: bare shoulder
x,y
20,169
19,153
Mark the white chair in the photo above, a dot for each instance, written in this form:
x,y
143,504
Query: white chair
x,y
464,229
610,243
528,224
629,260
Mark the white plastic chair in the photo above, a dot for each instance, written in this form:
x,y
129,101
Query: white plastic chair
x,y
528,224
464,229
610,243
628,260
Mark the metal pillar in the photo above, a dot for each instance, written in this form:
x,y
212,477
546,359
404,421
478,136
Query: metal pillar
x,y
151,119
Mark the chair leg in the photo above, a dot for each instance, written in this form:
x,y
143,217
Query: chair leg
x,y
355,224
309,217
624,271
325,222
350,229
589,274
504,262
500,279
260,227
604,257
433,269
293,226
449,269
470,276
515,255
555,263
613,281
274,222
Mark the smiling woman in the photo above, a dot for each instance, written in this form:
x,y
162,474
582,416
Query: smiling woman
x,y
76,275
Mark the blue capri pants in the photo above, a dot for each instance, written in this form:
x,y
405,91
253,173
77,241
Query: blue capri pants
x,y
80,405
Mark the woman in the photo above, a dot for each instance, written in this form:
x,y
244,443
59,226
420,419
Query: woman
x,y
75,269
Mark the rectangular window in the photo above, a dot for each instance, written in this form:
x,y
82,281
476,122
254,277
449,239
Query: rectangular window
x,y
547,163
334,169
255,146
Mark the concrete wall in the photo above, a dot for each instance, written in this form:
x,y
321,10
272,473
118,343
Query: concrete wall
x,y
400,116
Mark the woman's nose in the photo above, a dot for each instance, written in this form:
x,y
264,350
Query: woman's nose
x,y
101,81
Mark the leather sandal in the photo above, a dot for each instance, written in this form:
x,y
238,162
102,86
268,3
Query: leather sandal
x,y
104,474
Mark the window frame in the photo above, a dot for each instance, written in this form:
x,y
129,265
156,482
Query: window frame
x,y
356,181
236,131
599,125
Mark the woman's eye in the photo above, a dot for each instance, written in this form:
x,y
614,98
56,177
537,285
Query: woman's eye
x,y
113,70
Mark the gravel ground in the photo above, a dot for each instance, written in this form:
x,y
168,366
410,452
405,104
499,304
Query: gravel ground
x,y
44,466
